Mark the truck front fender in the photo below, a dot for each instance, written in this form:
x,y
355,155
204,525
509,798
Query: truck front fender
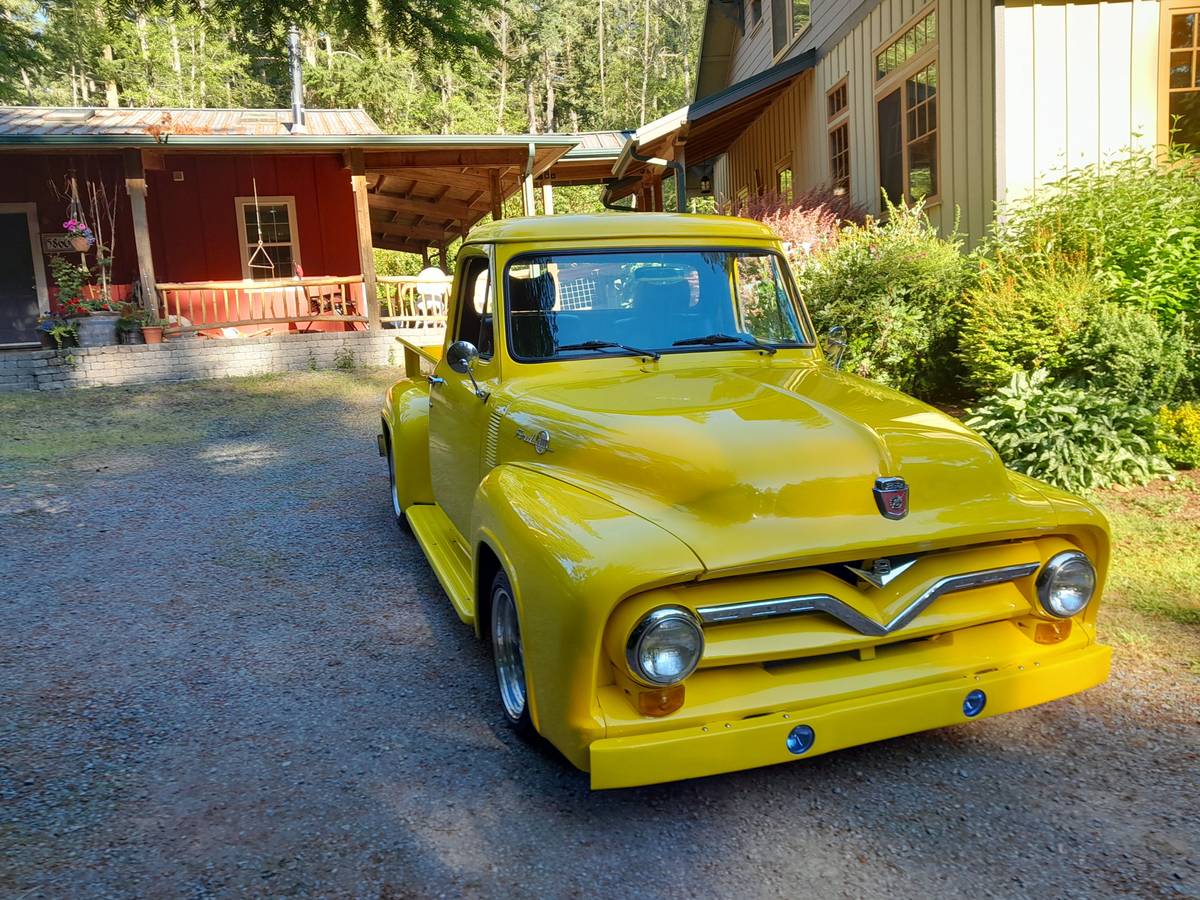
x,y
406,427
571,557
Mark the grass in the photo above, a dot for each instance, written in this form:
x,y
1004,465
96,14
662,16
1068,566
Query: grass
x,y
1152,605
57,433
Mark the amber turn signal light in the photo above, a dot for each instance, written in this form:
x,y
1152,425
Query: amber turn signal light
x,y
660,701
1052,632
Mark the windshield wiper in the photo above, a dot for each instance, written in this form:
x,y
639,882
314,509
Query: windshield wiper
x,y
726,339
610,345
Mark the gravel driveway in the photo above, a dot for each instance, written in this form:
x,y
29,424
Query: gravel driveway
x,y
223,672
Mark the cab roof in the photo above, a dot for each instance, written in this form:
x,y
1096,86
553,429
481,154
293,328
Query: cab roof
x,y
618,226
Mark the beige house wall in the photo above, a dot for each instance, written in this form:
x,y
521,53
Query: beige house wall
x,y
795,125
1079,85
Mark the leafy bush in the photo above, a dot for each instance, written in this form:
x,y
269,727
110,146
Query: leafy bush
x,y
1124,351
806,224
1073,438
1135,222
1022,318
895,286
1179,431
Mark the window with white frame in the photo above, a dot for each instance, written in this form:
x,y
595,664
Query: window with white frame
x,y
269,240
788,19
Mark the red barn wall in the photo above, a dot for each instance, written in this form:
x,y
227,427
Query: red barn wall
x,y
194,227
30,178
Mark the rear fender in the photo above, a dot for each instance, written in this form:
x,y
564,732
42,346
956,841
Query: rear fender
x,y
406,422
571,557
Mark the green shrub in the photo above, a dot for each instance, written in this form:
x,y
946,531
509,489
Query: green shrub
x,y
895,287
1135,222
1073,438
1179,431
1124,351
1023,317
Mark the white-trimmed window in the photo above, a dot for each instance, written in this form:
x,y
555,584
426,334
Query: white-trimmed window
x,y
906,103
788,19
271,222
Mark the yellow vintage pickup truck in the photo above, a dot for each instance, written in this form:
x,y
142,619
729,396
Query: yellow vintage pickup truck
x,y
695,545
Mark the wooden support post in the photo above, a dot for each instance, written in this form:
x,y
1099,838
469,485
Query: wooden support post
x,y
442,264
680,180
548,199
362,224
527,184
497,196
135,186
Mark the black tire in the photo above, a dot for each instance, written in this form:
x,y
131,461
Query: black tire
x,y
508,657
397,512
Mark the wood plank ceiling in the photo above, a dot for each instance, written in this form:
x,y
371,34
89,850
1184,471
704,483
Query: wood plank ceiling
x,y
422,200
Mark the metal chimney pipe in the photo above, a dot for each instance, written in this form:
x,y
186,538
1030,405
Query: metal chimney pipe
x,y
294,61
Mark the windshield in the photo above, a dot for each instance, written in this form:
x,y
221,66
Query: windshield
x,y
571,304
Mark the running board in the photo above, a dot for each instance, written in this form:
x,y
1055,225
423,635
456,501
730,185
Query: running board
x,y
447,556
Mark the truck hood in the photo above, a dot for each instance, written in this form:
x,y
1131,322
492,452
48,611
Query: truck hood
x,y
769,465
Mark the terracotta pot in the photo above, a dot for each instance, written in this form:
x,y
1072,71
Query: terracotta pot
x,y
80,244
152,334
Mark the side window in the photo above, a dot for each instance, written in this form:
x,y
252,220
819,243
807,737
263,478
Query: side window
x,y
475,320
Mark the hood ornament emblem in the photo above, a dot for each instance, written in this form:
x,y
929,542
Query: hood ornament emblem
x,y
539,441
883,571
891,496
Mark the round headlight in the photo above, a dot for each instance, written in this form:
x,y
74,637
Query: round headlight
x,y
1066,584
665,647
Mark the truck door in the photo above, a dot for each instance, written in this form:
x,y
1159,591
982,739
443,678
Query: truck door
x,y
457,417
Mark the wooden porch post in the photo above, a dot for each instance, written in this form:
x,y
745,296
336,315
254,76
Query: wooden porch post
x,y
441,258
135,186
497,196
362,224
548,199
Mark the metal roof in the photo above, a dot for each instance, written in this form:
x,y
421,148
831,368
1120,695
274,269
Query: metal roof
x,y
40,121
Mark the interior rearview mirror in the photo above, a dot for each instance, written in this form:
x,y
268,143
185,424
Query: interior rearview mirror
x,y
834,344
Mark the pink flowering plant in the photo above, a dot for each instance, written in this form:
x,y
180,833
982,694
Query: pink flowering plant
x,y
79,228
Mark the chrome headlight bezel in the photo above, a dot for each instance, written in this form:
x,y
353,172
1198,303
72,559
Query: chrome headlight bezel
x,y
1054,568
645,628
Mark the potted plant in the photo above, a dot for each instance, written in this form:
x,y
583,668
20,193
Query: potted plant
x,y
129,324
80,234
95,320
55,332
152,329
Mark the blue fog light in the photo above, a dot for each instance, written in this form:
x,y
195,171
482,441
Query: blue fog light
x,y
974,704
800,739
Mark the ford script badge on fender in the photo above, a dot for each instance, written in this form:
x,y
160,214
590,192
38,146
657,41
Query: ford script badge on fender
x,y
891,496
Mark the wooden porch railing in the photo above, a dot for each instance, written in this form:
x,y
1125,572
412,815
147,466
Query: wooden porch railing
x,y
412,302
207,305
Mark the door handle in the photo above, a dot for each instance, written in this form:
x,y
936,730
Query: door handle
x,y
435,380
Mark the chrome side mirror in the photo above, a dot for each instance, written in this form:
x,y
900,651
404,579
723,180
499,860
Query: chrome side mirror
x,y
834,345
461,357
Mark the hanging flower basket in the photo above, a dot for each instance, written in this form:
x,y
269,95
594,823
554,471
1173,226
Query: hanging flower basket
x,y
81,235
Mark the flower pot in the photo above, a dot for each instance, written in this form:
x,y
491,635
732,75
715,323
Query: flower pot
x,y
152,334
47,340
132,336
80,243
97,330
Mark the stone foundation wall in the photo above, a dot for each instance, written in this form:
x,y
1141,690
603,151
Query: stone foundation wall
x,y
50,370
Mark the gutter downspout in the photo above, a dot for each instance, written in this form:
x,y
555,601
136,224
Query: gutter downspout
x,y
673,164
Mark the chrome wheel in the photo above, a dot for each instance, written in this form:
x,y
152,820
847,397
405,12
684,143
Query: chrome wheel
x,y
392,481
509,656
